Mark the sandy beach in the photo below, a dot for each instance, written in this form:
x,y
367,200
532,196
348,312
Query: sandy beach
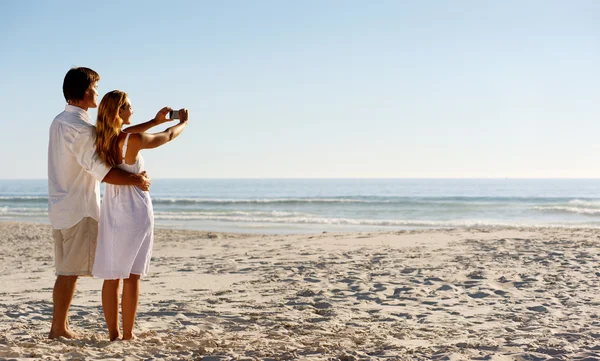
x,y
468,294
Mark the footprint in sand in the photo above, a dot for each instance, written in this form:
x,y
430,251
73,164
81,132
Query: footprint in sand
x,y
538,309
401,290
479,294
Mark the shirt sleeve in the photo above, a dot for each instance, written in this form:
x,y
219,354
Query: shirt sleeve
x,y
84,148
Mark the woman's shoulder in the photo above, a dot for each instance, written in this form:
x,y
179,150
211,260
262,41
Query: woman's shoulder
x,y
134,138
121,138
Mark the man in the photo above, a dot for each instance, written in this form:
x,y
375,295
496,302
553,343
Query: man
x,y
74,170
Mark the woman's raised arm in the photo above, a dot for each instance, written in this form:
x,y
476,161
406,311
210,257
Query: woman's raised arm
x,y
160,118
148,141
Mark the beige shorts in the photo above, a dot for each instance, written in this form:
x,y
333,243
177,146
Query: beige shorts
x,y
75,248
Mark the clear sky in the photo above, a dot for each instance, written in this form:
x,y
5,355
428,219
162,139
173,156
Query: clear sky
x,y
310,89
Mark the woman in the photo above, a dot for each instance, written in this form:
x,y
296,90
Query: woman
x,y
125,230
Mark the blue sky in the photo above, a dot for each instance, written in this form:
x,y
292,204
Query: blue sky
x,y
310,89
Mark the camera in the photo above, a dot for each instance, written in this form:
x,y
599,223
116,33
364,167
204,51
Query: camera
x,y
174,114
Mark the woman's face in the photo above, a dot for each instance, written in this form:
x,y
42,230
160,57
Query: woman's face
x,y
126,111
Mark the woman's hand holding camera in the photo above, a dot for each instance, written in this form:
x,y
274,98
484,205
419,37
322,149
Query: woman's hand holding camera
x,y
167,114
161,116
183,115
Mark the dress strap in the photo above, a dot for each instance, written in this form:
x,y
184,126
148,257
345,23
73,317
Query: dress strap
x,y
125,146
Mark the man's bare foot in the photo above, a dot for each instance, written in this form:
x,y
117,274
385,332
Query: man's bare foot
x,y
114,336
62,333
129,337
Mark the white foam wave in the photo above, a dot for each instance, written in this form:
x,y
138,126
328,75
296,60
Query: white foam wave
x,y
23,198
565,209
586,204
330,221
23,211
192,215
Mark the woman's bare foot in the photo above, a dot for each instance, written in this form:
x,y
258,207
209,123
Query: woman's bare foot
x,y
66,333
114,336
129,337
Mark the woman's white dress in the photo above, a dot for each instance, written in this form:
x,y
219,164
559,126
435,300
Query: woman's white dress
x,y
126,228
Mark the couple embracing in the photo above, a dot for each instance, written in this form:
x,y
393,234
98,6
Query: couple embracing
x,y
114,242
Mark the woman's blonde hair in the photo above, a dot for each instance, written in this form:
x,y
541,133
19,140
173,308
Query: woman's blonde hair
x,y
108,127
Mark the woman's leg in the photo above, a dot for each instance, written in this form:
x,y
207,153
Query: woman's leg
x,y
110,305
131,295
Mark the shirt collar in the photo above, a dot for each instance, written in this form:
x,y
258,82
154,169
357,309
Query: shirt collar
x,y
77,110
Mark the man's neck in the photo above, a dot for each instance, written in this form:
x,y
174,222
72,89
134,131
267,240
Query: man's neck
x,y
78,106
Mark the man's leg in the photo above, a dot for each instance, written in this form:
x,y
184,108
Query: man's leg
x,y
74,249
129,304
110,306
64,288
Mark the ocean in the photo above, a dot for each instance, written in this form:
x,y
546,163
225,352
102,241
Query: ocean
x,y
316,205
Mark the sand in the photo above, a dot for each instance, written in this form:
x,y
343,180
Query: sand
x,y
469,294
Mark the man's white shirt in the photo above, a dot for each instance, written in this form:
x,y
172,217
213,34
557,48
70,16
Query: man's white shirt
x,y
74,169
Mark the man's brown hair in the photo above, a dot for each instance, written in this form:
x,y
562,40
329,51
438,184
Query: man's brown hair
x,y
77,81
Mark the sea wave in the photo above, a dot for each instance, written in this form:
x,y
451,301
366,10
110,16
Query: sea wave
x,y
22,212
567,209
585,203
450,201
336,221
23,199
437,200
